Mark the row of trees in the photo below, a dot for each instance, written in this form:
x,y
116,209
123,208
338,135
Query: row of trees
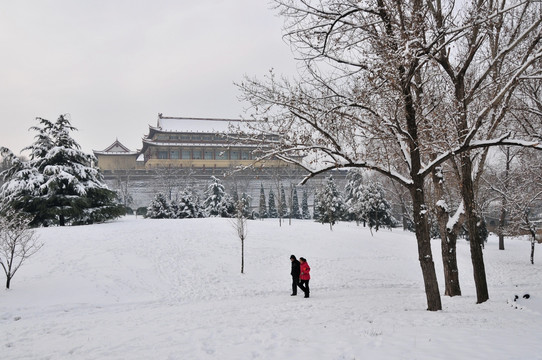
x,y
216,203
362,201
417,91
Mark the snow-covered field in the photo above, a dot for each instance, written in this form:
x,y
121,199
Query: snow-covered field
x,y
172,289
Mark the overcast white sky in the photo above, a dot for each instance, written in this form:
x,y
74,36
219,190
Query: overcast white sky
x,y
113,65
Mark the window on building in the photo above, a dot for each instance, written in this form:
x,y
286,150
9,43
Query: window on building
x,y
196,154
221,154
245,155
196,137
235,155
173,137
207,137
185,137
162,154
208,154
186,154
174,154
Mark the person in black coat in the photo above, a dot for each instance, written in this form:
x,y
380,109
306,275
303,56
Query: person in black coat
x,y
295,274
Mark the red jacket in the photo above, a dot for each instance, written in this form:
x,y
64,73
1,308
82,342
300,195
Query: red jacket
x,y
305,271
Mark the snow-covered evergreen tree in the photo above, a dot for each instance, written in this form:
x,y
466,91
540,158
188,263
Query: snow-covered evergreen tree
x,y
263,206
235,195
245,205
159,208
352,197
316,206
217,203
283,207
58,184
188,206
174,209
272,208
305,213
373,208
330,203
294,211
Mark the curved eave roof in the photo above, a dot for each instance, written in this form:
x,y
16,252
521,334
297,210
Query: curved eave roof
x,y
169,125
147,143
116,153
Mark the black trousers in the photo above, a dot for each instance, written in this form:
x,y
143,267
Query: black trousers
x,y
304,285
295,283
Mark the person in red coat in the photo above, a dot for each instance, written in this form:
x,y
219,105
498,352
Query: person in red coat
x,y
304,276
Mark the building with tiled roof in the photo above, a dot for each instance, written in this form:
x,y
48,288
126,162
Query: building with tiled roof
x,y
117,156
186,142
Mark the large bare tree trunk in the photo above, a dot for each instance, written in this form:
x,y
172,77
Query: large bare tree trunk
x,y
424,249
420,209
449,260
448,240
477,257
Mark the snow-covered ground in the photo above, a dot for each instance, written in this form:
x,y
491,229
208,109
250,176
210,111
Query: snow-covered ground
x,y
172,289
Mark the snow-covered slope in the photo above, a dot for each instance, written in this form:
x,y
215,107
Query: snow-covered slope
x,y
172,289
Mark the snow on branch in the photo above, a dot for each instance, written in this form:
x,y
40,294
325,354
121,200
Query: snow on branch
x,y
503,140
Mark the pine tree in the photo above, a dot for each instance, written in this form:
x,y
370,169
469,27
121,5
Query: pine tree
x,y
316,206
352,199
245,205
174,209
330,204
58,184
272,208
159,208
305,205
373,207
263,206
283,208
188,206
217,202
235,195
295,213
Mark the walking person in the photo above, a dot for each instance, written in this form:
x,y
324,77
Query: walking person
x,y
304,276
295,274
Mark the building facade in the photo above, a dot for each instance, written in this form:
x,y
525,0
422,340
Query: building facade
x,y
180,153
199,143
177,142
117,157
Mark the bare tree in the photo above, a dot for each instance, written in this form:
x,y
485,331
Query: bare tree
x,y
123,185
521,194
17,243
239,223
170,181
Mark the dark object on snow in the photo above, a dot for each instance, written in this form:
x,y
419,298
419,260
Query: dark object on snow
x,y
526,296
516,297
295,274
